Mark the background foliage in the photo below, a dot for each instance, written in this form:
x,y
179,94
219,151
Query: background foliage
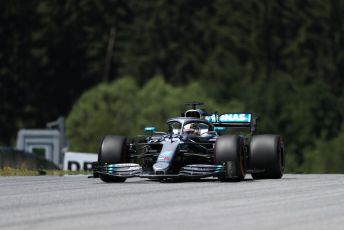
x,y
280,59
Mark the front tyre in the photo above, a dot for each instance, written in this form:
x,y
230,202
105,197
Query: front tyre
x,y
229,152
111,179
267,153
112,150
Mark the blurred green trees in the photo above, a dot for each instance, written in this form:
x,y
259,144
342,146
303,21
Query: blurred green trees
x,y
122,108
325,156
280,59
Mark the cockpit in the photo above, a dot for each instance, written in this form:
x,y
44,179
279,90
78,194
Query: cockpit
x,y
189,127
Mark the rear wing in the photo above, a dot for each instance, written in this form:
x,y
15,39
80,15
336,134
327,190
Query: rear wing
x,y
235,120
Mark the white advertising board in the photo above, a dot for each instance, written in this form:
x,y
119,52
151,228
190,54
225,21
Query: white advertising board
x,y
78,161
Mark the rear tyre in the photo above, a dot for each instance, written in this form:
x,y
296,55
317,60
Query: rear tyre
x,y
112,150
229,152
267,152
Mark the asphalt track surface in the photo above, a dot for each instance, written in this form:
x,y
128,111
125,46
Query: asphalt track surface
x,y
75,202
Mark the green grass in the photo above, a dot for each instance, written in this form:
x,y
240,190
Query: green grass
x,y
8,171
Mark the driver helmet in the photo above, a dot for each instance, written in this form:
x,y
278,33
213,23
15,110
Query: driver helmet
x,y
191,128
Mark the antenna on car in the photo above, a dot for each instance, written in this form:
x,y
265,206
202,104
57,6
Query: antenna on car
x,y
193,104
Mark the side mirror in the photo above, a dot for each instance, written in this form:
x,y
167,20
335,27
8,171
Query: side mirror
x,y
150,129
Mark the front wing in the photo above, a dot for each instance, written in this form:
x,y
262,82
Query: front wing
x,y
195,171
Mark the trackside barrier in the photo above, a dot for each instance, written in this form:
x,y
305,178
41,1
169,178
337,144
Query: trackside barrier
x,y
76,161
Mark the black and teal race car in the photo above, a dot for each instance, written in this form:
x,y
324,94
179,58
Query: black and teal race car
x,y
195,145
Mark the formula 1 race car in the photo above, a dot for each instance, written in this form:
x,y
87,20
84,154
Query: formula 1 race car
x,y
196,145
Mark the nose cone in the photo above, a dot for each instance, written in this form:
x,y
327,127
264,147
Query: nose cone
x,y
160,167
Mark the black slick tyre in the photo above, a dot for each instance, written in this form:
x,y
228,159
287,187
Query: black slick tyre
x,y
112,150
110,179
229,152
267,153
